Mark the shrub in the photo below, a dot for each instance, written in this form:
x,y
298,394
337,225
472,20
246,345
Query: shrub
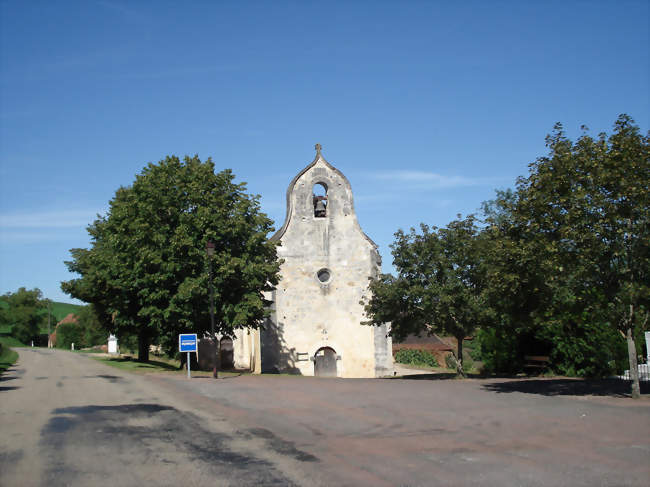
x,y
498,351
7,355
587,349
68,333
451,362
92,331
415,357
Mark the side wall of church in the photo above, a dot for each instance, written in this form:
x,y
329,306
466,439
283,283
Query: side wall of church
x,y
383,351
246,353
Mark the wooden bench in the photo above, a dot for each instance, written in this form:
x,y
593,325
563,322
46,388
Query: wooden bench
x,y
536,362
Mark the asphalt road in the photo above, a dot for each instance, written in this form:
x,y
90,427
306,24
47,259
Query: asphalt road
x,y
66,419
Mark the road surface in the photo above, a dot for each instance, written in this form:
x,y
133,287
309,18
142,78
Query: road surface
x,y
67,419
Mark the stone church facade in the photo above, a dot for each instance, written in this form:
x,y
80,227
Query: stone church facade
x,y
315,326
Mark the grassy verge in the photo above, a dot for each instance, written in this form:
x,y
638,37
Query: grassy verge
x,y
128,364
159,365
436,369
9,341
7,356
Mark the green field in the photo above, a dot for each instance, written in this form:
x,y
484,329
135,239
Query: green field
x,y
59,311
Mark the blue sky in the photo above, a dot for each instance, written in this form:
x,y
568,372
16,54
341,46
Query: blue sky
x,y
426,107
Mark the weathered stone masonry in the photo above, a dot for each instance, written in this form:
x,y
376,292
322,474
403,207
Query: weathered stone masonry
x,y
315,327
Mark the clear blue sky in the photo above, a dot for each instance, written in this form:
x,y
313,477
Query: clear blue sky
x,y
426,107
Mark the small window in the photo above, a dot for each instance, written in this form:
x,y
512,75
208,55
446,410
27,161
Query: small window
x,y
319,198
324,275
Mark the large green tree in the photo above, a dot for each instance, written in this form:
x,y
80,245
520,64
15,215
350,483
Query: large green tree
x,y
570,254
25,312
438,284
146,270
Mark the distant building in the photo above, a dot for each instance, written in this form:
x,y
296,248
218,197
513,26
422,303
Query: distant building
x,y
431,343
315,327
69,318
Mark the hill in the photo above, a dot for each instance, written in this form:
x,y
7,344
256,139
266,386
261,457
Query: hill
x,y
59,311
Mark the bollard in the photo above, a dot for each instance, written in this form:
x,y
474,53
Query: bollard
x,y
72,347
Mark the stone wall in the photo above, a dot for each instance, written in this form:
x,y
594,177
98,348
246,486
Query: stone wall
x,y
327,263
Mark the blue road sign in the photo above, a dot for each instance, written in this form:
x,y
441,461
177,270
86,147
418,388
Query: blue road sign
x,y
187,342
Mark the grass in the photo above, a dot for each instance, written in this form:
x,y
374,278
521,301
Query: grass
x,y
61,310
7,356
10,341
129,364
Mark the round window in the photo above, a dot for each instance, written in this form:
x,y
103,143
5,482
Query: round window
x,y
324,275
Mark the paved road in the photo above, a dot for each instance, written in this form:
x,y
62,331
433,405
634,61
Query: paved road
x,y
67,420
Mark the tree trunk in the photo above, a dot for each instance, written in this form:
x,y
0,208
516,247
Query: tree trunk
x,y
634,366
143,346
459,358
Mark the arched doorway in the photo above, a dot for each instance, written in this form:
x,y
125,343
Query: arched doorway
x,y
227,359
325,362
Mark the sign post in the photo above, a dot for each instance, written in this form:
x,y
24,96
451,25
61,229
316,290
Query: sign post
x,y
187,343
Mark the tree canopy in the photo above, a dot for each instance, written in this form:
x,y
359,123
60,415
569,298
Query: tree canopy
x,y
438,286
571,247
560,266
146,270
25,312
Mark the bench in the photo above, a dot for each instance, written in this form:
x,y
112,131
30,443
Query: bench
x,y
536,362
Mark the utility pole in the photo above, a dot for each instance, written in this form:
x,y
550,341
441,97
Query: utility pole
x,y
209,247
49,324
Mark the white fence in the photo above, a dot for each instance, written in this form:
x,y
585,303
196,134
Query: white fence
x,y
644,373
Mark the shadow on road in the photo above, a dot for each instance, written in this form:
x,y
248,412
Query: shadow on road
x,y
567,387
437,376
440,376
148,364
111,378
223,374
158,439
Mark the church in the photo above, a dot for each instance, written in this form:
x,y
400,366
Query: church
x,y
315,325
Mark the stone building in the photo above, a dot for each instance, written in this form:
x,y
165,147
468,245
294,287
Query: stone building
x,y
315,327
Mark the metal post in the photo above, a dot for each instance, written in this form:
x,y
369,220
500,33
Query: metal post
x,y
189,376
210,250
49,329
